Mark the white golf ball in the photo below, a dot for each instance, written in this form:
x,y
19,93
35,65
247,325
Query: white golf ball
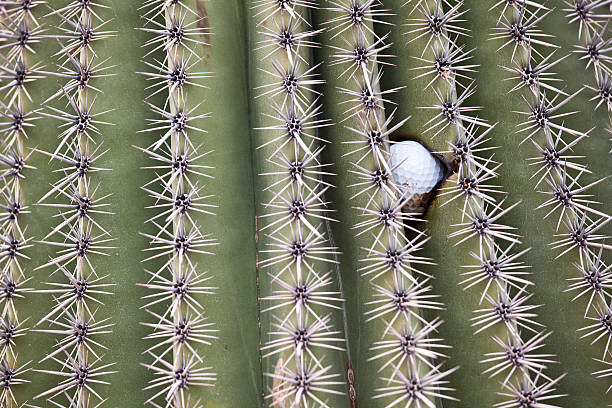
x,y
419,171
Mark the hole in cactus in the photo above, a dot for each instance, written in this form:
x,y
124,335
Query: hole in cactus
x,y
418,173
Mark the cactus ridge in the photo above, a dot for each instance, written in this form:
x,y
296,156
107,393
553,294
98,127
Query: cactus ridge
x,y
20,33
179,323
79,238
304,341
592,24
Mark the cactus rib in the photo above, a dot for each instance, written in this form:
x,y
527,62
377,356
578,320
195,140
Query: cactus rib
x,y
181,324
303,347
80,237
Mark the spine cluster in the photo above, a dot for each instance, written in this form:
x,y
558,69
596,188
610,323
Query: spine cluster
x,y
408,356
20,31
557,170
79,239
303,344
179,324
592,18
497,270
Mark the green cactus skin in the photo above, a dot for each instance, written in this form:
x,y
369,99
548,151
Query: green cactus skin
x,y
447,268
241,281
557,312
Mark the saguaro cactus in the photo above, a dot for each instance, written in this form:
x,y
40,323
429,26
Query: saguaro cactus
x,y
305,203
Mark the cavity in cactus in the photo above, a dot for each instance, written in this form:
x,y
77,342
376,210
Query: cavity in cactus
x,y
305,203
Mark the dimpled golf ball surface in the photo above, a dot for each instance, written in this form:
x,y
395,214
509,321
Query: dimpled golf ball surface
x,y
419,171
